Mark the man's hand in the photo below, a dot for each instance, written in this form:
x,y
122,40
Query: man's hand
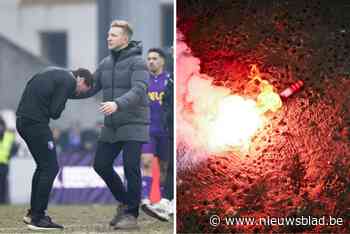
x,y
108,108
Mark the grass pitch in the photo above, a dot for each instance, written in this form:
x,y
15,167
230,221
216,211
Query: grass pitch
x,y
78,219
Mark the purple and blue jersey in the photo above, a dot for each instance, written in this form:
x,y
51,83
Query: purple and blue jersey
x,y
156,89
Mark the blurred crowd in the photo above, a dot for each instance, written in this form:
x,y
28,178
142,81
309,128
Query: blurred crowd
x,y
73,140
76,139
68,140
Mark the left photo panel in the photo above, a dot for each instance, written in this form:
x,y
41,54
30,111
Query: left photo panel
x,y
86,116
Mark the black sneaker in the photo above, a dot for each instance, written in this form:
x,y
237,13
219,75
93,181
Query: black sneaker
x,y
44,224
27,219
120,211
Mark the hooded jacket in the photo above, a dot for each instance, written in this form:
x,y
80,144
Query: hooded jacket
x,y
123,78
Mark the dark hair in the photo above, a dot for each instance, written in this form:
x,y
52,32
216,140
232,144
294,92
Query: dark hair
x,y
86,74
158,51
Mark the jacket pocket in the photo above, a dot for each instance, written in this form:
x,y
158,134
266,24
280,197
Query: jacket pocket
x,y
139,116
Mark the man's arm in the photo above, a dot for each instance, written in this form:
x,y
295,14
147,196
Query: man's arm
x,y
139,86
59,98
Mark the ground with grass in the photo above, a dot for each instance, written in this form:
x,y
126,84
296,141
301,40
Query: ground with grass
x,y
79,219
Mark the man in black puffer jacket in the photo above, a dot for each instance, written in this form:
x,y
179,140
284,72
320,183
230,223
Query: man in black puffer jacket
x,y
123,77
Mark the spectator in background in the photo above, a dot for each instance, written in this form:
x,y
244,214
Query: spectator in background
x,y
89,137
74,138
8,148
70,139
158,146
56,134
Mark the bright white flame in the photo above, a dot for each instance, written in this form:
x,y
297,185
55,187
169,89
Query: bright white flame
x,y
210,118
236,121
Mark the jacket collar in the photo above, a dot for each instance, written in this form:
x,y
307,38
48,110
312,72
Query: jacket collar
x,y
134,48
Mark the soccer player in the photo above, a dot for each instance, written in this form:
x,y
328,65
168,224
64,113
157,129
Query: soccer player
x,y
159,145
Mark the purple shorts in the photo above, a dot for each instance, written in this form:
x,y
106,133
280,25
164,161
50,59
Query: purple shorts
x,y
159,146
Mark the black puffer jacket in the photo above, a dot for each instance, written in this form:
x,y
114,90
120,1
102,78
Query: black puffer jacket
x,y
123,78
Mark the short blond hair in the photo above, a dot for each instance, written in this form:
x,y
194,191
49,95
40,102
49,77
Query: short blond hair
x,y
127,28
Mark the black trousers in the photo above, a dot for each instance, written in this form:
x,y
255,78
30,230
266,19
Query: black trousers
x,y
106,153
39,140
169,181
4,168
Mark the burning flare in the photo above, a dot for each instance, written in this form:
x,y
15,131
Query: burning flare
x,y
212,119
236,122
237,119
268,99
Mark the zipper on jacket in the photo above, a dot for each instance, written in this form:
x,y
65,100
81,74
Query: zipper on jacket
x,y
113,72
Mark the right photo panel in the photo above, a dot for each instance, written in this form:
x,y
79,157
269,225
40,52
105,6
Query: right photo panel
x,y
263,116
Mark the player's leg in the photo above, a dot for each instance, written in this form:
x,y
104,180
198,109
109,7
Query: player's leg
x,y
131,161
146,165
160,209
40,143
146,157
106,153
162,152
103,165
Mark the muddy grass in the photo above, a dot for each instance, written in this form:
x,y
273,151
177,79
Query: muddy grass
x,y
79,219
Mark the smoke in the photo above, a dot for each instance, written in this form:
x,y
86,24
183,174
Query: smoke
x,y
211,119
196,100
